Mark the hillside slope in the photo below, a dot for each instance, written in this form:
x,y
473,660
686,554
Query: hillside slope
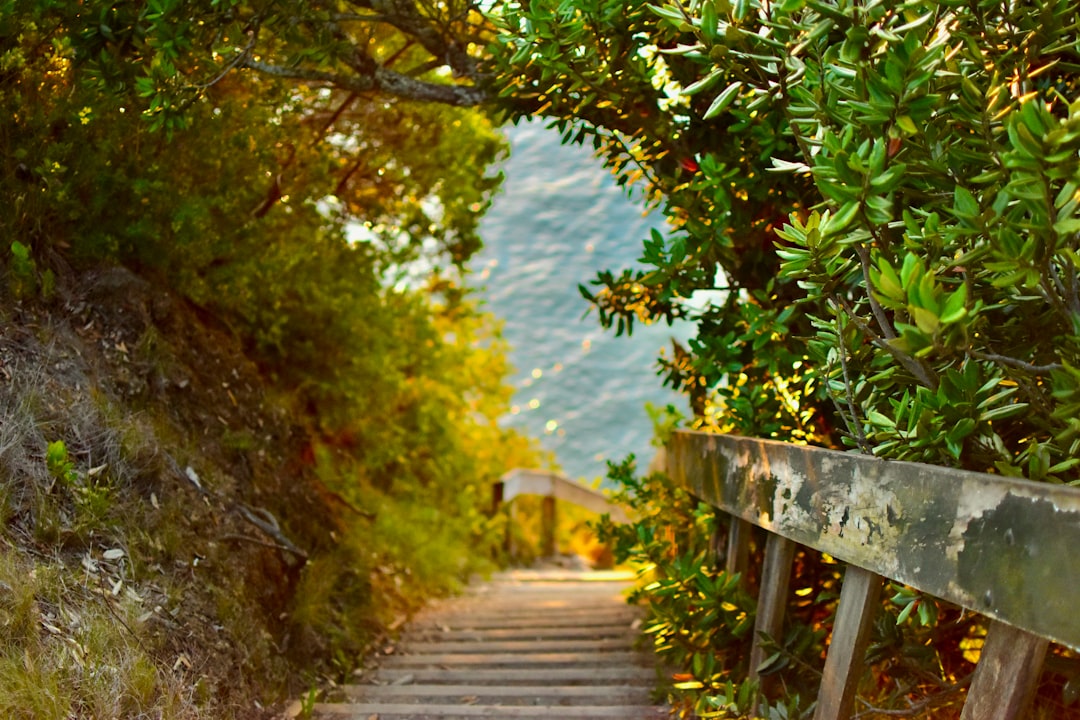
x,y
165,538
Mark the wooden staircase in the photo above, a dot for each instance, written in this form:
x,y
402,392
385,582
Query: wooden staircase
x,y
528,644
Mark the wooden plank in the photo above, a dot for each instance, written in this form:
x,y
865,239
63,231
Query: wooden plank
x,y
563,575
552,694
859,603
999,546
446,712
1006,676
577,691
518,676
558,619
577,659
773,597
526,646
535,632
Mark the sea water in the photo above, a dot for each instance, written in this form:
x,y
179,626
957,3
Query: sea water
x,y
559,219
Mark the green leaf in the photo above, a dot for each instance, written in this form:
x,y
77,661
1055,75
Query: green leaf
x,y
1003,412
906,612
887,281
723,100
925,319
964,203
955,308
838,223
704,83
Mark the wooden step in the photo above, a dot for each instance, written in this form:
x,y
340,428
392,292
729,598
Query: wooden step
x,y
526,645
460,712
525,617
547,694
634,674
582,659
519,646
538,632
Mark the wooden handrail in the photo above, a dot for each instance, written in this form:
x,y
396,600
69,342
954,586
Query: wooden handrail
x,y
520,481
999,546
553,486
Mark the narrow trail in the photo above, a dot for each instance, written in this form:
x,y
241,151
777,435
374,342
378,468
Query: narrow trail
x,y
527,644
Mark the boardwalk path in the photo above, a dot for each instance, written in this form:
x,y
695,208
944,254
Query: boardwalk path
x,y
528,644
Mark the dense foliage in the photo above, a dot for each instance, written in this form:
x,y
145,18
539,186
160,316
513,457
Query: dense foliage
x,y
326,227
885,196
885,193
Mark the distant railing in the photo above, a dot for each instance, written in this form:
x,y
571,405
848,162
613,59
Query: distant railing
x,y
551,487
1001,547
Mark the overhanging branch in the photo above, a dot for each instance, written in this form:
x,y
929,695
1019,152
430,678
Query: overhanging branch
x,y
380,79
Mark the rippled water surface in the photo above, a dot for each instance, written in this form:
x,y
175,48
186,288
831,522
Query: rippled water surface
x,y
559,219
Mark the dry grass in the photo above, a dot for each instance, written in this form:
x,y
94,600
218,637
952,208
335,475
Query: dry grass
x,y
71,620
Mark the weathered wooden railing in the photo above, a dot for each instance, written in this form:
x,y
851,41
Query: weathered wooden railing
x,y
1001,547
552,487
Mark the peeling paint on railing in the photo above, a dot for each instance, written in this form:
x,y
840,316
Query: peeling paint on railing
x,y
999,546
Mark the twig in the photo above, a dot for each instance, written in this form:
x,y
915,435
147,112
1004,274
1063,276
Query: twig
x,y
860,435
112,611
879,313
1015,362
256,541
230,66
915,707
266,522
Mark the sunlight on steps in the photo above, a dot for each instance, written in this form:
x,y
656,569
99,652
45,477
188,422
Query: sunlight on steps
x,y
550,643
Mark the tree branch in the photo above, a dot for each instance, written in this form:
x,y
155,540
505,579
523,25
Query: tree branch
x,y
849,393
380,79
1015,362
404,15
879,313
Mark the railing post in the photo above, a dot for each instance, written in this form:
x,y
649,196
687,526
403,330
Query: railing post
x,y
851,632
772,599
497,491
738,548
1007,674
547,524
